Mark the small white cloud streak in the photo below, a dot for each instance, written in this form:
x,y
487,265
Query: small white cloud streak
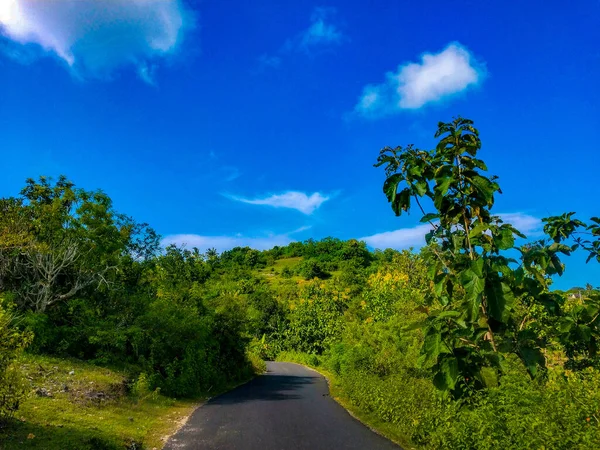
x,y
321,35
404,238
269,61
523,222
95,37
306,204
222,243
413,85
399,239
320,31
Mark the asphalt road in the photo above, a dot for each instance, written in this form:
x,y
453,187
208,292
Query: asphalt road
x,y
288,408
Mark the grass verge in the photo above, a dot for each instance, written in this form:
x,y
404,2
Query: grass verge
x,y
79,406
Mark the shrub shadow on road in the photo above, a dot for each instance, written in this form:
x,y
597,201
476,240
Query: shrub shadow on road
x,y
268,387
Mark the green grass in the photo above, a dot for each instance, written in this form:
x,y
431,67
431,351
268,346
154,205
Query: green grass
x,y
89,409
282,263
273,273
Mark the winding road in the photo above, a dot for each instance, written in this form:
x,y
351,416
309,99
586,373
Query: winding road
x,y
287,408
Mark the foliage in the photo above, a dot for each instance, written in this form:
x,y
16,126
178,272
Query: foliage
x,y
93,412
12,342
315,319
311,268
473,314
476,291
73,240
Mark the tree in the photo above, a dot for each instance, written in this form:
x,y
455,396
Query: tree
x,y
483,302
310,269
75,241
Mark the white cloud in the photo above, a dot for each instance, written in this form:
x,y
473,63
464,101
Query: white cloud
x,y
415,237
306,204
95,37
523,222
413,85
399,239
222,243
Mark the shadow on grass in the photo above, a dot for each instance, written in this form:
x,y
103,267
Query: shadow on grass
x,y
269,387
15,434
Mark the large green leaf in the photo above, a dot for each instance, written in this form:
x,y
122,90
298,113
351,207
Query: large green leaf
x,y
500,299
432,343
390,186
504,239
420,188
485,186
584,333
479,228
443,184
429,217
489,377
401,201
449,368
533,359
477,267
472,283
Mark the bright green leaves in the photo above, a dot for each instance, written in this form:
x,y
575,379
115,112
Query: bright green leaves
x,y
408,173
485,187
579,330
592,245
560,228
458,137
442,186
448,374
429,217
565,227
483,304
400,200
471,283
432,345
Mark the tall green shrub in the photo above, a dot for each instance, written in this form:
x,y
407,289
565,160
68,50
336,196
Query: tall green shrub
x,y
12,342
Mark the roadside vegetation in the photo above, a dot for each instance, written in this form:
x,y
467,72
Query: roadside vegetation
x,y
77,405
464,344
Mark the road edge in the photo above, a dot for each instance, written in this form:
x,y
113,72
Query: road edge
x,y
352,412
165,439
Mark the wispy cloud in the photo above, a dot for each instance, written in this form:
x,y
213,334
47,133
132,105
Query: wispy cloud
x,y
299,201
222,243
437,77
399,239
525,223
231,173
269,61
95,37
322,34
321,31
404,238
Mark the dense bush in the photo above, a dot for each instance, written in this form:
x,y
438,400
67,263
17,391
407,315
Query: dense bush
x,y
312,268
315,319
12,342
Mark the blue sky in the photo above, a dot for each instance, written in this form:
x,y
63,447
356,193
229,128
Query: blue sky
x,y
257,122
